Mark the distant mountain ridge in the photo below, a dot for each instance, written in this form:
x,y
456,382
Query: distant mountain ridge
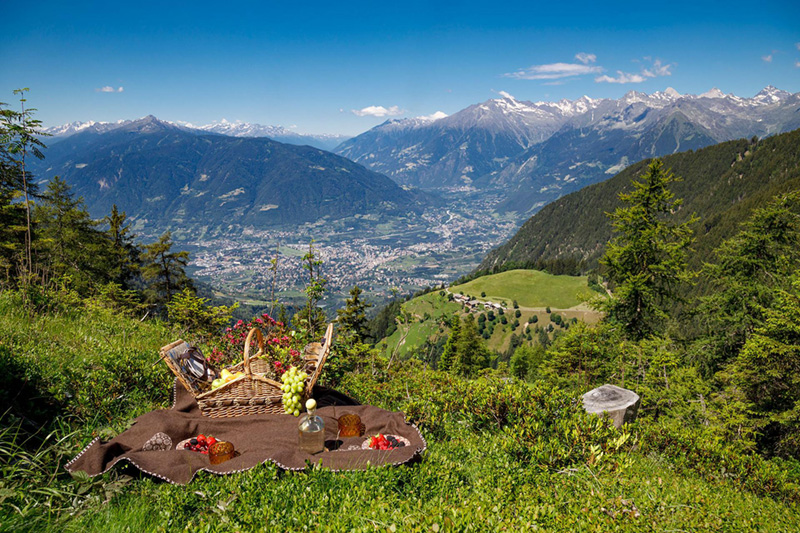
x,y
722,184
223,127
164,174
538,151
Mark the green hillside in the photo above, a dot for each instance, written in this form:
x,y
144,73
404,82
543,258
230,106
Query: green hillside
x,y
529,288
721,184
426,317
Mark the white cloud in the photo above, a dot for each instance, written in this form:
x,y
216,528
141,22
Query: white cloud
x,y
797,45
553,71
377,111
767,58
797,64
109,89
558,71
505,95
622,77
657,70
434,116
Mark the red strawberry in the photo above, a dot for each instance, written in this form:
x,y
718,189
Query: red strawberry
x,y
211,440
201,439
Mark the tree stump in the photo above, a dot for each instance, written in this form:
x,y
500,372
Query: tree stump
x,y
620,404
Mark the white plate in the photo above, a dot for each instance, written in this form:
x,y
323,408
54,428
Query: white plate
x,y
365,444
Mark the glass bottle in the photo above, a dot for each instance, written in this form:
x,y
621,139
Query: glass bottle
x,y
311,430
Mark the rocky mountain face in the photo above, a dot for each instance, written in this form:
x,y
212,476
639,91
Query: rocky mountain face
x,y
536,152
163,174
224,127
458,149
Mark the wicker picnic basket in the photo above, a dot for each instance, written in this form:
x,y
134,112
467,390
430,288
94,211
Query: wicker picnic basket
x,y
252,393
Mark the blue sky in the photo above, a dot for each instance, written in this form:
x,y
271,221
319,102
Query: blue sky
x,y
343,67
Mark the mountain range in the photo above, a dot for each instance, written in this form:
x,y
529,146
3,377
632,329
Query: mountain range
x,y
722,184
166,175
537,152
223,127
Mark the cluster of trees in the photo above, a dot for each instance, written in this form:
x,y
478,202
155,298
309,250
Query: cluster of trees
x,y
729,363
464,353
47,237
715,349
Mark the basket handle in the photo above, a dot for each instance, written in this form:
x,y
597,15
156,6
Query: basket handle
x,y
260,337
326,349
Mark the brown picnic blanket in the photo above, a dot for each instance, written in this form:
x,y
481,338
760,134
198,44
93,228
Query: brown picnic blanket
x,y
257,439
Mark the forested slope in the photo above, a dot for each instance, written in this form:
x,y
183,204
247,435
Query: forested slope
x,y
721,184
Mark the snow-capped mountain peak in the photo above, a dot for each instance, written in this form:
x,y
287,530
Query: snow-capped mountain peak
x,y
236,128
770,95
669,95
65,130
713,93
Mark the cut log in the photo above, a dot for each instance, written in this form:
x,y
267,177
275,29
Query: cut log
x,y
620,404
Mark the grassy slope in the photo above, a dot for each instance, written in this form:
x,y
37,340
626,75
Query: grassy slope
x,y
533,290
530,288
469,480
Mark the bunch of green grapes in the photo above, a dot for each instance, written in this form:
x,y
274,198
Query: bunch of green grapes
x,y
293,383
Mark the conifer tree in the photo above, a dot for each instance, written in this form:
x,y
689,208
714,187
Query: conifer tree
x,y
163,270
470,353
19,136
353,318
311,314
123,256
12,222
449,353
748,270
647,258
766,372
68,242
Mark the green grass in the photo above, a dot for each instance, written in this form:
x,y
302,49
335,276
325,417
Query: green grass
x,y
437,307
502,454
530,288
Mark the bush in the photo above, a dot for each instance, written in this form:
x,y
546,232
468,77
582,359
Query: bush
x,y
196,316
